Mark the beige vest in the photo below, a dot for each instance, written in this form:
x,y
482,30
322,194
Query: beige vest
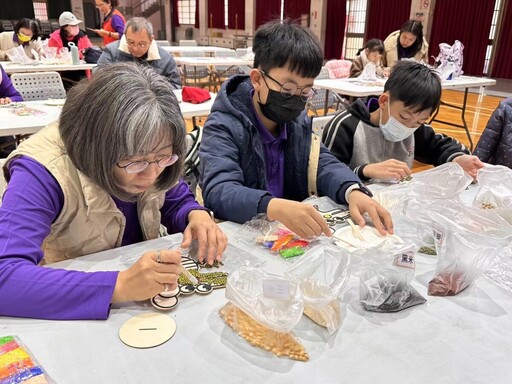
x,y
390,56
89,221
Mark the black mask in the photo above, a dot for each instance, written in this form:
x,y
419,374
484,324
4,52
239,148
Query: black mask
x,y
281,109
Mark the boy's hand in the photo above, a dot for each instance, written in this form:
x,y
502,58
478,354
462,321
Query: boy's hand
x,y
470,164
359,203
389,169
303,219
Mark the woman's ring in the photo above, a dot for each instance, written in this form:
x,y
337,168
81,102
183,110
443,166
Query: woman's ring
x,y
158,259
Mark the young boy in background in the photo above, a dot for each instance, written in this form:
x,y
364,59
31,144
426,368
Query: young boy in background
x,y
380,137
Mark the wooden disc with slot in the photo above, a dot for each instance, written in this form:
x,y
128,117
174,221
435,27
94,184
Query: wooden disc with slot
x,y
147,330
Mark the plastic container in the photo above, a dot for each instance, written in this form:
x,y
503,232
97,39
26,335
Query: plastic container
x,y
75,59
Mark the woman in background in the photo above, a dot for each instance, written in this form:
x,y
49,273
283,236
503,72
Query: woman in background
x,y
25,34
407,43
113,21
69,32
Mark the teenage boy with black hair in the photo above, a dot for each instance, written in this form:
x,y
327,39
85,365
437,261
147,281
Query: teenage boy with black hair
x,y
380,137
257,140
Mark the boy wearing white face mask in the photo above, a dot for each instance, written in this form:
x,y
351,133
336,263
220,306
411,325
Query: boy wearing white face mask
x,y
380,138
257,141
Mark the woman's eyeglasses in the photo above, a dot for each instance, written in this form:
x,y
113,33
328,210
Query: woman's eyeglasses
x,y
139,166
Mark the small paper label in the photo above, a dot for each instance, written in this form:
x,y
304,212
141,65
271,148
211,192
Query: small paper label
x,y
405,260
438,234
276,289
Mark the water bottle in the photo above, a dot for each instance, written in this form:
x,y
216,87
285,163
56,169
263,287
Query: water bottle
x,y
74,53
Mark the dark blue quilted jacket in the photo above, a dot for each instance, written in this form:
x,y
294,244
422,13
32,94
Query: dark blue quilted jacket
x,y
495,144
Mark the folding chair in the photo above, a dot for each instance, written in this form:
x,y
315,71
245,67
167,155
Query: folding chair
x,y
6,26
163,43
320,102
318,124
196,75
39,85
222,72
46,28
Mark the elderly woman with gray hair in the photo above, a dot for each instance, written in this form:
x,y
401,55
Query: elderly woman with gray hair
x,y
105,176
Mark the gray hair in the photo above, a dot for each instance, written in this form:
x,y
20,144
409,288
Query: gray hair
x,y
124,110
138,24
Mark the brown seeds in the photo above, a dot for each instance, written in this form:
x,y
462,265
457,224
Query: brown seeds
x,y
280,344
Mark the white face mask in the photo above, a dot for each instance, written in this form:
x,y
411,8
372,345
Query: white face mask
x,y
394,130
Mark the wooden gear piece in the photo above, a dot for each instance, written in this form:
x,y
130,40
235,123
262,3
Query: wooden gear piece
x,y
165,301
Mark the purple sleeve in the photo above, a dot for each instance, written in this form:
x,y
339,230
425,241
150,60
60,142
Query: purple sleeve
x,y
179,201
118,24
32,201
7,89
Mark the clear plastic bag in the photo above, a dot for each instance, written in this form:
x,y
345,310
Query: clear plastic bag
x,y
495,191
492,175
17,55
65,56
369,72
385,277
275,237
263,309
18,365
466,241
500,271
494,197
322,273
443,182
429,189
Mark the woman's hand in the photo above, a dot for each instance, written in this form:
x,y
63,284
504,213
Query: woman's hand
x,y
99,32
302,219
212,241
359,203
5,100
153,273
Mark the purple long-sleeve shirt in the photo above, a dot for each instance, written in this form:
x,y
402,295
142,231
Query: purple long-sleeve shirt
x,y
7,89
32,201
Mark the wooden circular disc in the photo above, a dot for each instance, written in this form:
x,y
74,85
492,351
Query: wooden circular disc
x,y
204,289
147,330
187,289
174,292
164,303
